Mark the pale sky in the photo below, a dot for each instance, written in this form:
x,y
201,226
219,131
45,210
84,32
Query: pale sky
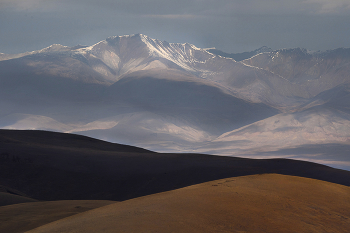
x,y
229,25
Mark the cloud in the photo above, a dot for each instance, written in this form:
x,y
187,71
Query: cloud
x,y
280,7
28,5
174,16
229,25
172,9
329,6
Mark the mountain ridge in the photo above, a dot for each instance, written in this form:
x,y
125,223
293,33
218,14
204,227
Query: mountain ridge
x,y
177,97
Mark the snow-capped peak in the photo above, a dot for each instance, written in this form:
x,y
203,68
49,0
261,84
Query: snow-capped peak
x,y
181,54
53,48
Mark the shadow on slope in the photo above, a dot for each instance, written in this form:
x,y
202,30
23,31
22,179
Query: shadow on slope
x,y
196,101
10,199
26,216
53,166
324,153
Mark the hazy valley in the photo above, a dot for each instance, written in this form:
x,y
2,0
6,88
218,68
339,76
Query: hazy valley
x,y
171,97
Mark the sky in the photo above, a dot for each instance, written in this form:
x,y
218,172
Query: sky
x,y
229,25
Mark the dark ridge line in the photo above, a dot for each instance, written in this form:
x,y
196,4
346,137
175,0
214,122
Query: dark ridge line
x,y
82,168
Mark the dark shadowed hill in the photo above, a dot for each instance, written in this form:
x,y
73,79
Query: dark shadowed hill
x,y
39,138
53,166
9,199
22,217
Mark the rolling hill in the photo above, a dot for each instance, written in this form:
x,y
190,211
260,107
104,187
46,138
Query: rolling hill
x,y
268,203
60,175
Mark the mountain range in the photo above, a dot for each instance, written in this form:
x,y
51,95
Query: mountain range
x,y
172,97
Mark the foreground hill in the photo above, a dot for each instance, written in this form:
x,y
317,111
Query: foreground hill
x,y
9,199
259,203
26,216
57,166
38,168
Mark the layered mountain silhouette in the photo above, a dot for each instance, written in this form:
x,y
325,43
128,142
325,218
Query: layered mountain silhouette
x,y
173,97
59,166
48,179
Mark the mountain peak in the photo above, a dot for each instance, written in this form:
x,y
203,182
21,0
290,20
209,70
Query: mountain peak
x,y
240,56
294,50
54,48
138,35
263,49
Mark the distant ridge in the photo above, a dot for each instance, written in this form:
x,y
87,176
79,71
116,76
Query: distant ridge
x,y
176,97
240,56
48,138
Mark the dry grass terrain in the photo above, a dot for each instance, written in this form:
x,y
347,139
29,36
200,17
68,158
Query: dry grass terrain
x,y
26,216
257,203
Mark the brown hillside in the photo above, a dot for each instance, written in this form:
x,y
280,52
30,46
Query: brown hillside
x,y
258,203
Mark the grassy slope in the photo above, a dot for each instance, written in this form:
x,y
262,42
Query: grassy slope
x,y
259,203
56,166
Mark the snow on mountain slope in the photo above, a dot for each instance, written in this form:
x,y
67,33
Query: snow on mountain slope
x,y
33,122
185,96
184,55
147,129
121,55
313,126
51,48
177,97
125,54
240,56
137,128
110,60
315,72
282,78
